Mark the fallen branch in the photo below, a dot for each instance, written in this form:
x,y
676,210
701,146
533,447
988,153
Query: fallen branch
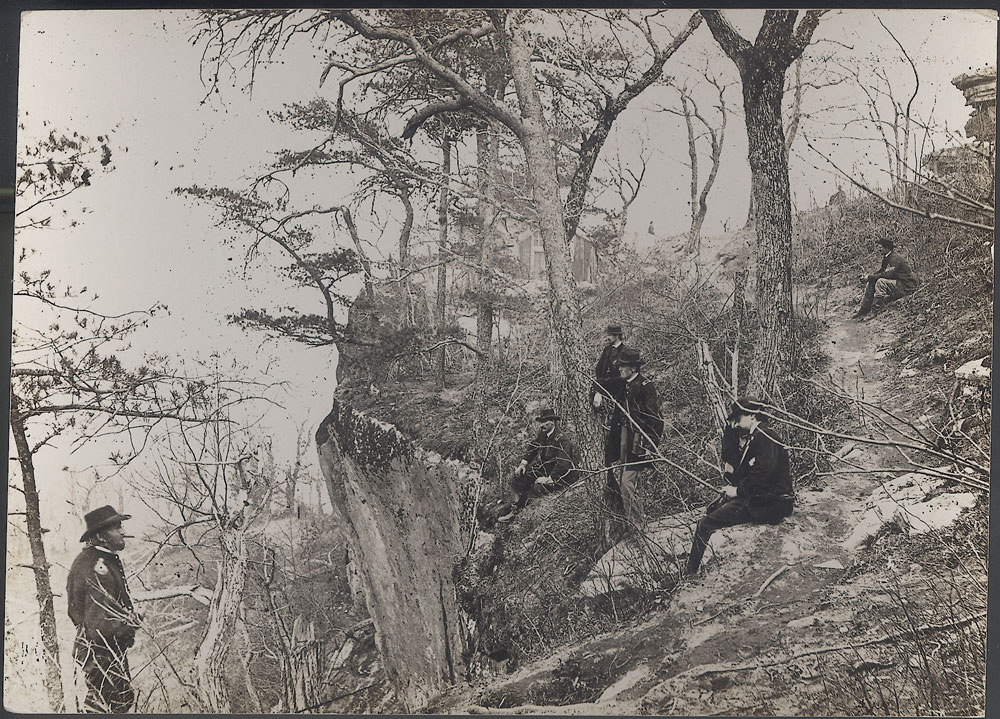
x,y
198,593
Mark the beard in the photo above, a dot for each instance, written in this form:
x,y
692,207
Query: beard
x,y
115,544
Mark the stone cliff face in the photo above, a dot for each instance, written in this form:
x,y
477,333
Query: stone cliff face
x,y
402,506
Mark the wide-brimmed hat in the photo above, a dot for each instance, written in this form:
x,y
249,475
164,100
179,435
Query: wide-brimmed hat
x,y
614,330
745,405
100,518
630,356
546,415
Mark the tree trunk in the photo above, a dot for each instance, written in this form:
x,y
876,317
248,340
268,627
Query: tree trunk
x,y
763,86
442,281
571,378
223,615
488,159
694,231
406,288
39,562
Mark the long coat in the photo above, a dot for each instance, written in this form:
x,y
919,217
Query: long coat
x,y
552,456
642,412
763,478
99,603
609,381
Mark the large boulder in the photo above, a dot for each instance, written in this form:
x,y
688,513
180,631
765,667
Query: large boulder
x,y
403,507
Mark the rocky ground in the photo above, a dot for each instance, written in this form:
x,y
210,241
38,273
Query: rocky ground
x,y
774,609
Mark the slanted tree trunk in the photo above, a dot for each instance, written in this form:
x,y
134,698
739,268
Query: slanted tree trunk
x,y
442,279
39,562
572,381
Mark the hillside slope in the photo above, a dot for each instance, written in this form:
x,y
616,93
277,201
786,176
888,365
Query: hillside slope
x,y
763,628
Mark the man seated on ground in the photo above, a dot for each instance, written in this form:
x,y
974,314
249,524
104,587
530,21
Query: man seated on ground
x,y
547,465
762,482
894,280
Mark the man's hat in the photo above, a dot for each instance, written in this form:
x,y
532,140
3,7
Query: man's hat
x,y
886,242
100,518
630,356
546,415
745,405
614,330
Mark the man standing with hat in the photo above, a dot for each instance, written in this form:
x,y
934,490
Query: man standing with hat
x,y
102,611
636,429
895,279
609,381
547,465
761,480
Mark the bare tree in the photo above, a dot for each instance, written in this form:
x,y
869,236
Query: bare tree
x,y
65,376
762,66
716,133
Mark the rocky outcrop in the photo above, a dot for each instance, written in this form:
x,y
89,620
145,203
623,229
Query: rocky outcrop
x,y
402,506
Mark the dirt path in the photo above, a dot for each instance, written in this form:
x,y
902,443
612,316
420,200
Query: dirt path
x,y
727,640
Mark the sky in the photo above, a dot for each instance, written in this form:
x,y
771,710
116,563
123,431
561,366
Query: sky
x,y
136,75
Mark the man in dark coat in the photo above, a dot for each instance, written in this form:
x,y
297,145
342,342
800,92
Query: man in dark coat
x,y
761,482
636,429
894,279
547,465
608,382
101,610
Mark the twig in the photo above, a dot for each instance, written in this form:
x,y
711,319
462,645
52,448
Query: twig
x,y
770,579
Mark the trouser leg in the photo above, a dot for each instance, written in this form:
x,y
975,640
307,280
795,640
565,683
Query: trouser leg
x,y
866,302
727,514
109,686
887,290
632,498
612,490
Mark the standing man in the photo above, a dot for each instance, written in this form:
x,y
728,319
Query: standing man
x,y
761,483
636,429
547,465
894,280
608,380
101,610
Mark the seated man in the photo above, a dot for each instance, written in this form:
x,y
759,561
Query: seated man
x,y
894,280
763,483
547,465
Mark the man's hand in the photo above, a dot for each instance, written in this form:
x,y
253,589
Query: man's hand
x,y
545,480
598,400
520,468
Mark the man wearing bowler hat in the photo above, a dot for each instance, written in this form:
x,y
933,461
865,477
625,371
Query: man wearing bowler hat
x,y
636,429
760,488
102,611
608,382
894,279
547,465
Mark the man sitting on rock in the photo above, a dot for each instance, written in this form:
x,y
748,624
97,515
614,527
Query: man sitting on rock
x,y
762,482
894,280
547,465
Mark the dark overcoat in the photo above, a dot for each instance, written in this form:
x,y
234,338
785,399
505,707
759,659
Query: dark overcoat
x,y
552,456
641,412
763,476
